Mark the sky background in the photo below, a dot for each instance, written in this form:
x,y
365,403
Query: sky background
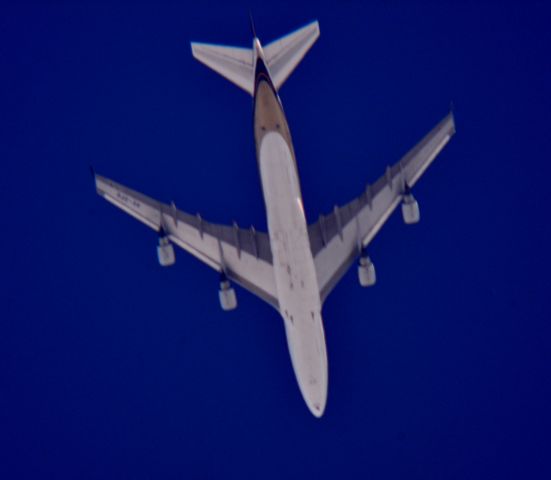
x,y
113,367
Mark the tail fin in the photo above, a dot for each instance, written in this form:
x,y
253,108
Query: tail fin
x,y
237,64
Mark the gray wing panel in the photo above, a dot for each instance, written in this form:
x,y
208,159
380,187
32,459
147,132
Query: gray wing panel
x,y
244,255
336,239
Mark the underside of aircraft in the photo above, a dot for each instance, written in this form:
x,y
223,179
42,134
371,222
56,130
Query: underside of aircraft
x,y
293,266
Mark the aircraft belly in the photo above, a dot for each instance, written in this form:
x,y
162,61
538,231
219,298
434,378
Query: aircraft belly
x,y
294,270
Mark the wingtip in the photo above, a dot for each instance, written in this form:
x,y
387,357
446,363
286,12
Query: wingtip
x,y
317,24
451,114
97,179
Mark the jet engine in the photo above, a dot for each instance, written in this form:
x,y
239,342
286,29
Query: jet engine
x,y
410,209
366,272
226,294
165,252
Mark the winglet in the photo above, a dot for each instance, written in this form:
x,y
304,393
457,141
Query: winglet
x,y
94,177
452,116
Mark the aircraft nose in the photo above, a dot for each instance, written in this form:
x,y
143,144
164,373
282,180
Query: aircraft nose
x,y
306,341
313,386
317,409
316,401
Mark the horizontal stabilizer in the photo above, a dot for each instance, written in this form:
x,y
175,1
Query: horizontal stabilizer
x,y
237,64
233,63
284,54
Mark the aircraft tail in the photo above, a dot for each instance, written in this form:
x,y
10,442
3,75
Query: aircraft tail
x,y
237,64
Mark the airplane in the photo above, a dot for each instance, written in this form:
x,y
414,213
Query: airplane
x,y
294,266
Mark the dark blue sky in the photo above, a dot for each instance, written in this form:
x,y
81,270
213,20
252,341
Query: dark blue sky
x,y
112,367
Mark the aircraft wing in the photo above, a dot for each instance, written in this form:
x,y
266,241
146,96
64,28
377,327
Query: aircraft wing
x,y
245,256
337,239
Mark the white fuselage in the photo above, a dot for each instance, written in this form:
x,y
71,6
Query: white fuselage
x,y
294,270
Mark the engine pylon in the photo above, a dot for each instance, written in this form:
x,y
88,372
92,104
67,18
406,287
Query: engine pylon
x,y
410,207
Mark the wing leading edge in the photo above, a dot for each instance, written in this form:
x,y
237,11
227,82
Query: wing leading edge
x,y
243,255
337,239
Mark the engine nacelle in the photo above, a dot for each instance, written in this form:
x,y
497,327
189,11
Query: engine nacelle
x,y
410,209
366,272
165,252
226,294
